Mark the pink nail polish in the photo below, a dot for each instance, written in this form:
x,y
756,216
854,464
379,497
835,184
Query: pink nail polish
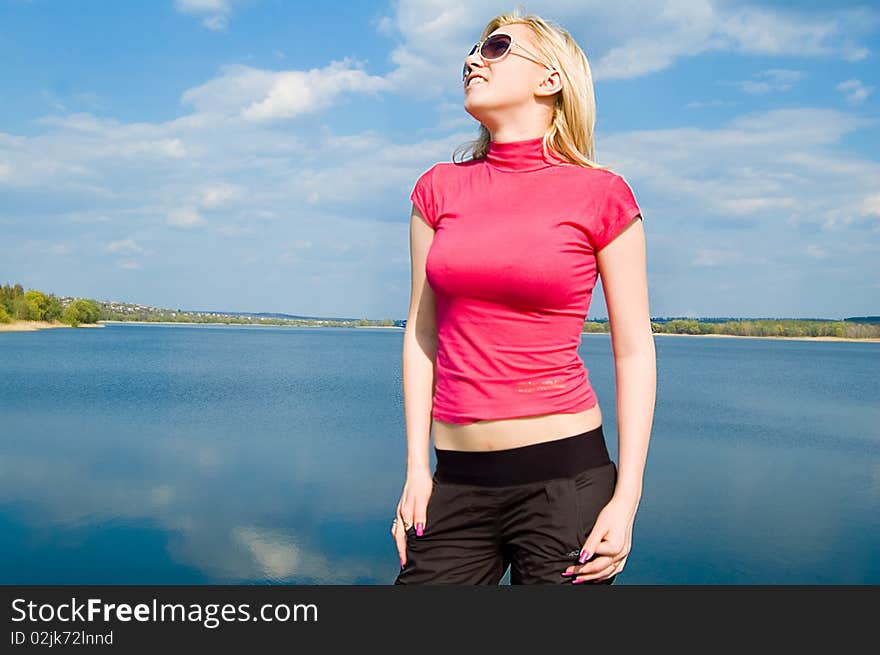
x,y
584,557
420,528
576,581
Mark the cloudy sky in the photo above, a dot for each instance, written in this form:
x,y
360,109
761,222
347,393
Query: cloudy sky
x,y
258,155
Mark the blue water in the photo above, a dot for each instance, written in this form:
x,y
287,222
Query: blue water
x,y
151,454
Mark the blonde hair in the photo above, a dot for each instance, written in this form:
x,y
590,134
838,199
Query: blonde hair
x,y
570,134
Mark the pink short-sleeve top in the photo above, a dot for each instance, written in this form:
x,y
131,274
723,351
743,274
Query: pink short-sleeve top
x,y
513,265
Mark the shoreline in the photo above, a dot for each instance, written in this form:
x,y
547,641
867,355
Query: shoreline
x,y
374,327
30,326
744,336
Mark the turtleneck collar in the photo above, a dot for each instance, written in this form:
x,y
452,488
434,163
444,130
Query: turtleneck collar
x,y
525,155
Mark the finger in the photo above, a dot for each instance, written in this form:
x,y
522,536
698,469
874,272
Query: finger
x,y
404,516
400,541
399,532
614,569
604,572
592,545
394,525
420,520
596,565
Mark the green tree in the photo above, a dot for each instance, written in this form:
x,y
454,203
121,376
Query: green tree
x,y
81,311
38,303
54,310
20,308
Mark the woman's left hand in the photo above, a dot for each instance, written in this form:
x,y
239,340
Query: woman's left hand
x,y
610,541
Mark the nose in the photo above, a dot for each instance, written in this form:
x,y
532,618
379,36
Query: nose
x,y
471,61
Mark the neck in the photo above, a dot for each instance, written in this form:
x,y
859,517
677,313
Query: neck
x,y
522,155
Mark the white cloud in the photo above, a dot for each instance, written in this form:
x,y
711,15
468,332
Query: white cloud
x,y
214,13
751,206
775,79
202,6
871,205
185,217
707,257
854,91
294,93
437,32
124,246
257,95
218,194
236,87
782,167
685,28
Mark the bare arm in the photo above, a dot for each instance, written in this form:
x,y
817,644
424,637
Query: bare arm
x,y
622,267
419,351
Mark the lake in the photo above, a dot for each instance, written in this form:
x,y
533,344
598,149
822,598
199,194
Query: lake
x,y
206,454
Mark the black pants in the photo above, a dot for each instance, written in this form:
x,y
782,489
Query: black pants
x,y
528,508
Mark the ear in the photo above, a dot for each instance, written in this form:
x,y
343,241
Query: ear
x,y
551,84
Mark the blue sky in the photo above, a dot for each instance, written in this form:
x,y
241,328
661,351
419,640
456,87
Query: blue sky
x,y
258,155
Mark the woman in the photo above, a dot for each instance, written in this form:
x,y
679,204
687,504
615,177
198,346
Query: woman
x,y
506,248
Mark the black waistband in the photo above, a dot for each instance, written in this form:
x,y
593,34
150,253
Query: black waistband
x,y
533,463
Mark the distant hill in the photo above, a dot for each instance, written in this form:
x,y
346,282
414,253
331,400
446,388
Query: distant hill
x,y
114,310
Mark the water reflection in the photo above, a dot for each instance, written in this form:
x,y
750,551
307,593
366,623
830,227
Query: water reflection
x,y
156,454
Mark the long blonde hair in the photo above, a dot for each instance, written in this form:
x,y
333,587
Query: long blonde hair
x,y
570,133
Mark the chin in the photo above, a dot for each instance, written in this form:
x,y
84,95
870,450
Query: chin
x,y
473,107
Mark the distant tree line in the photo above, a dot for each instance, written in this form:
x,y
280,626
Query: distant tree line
x,y
758,328
34,305
16,304
179,316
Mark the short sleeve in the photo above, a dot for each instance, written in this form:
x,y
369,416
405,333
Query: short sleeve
x,y
423,196
617,210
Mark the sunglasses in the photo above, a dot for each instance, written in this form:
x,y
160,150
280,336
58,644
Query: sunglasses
x,y
496,47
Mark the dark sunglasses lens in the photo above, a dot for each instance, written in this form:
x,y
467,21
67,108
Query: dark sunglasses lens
x,y
495,46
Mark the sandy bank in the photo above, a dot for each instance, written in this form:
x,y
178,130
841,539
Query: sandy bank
x,y
30,326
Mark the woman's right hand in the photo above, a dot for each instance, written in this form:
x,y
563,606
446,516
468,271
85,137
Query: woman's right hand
x,y
412,508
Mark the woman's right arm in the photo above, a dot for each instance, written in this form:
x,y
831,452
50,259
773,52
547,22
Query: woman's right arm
x,y
419,351
419,358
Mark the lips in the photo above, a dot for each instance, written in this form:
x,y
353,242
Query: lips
x,y
473,77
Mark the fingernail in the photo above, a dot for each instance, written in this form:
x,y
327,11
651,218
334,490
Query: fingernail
x,y
584,556
576,581
419,528
568,573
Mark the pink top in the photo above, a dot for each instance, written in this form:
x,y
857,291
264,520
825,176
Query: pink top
x,y
512,265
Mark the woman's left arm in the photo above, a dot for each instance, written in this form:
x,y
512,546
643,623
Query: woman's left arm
x,y
622,267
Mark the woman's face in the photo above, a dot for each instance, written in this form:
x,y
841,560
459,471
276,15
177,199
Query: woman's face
x,y
510,83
